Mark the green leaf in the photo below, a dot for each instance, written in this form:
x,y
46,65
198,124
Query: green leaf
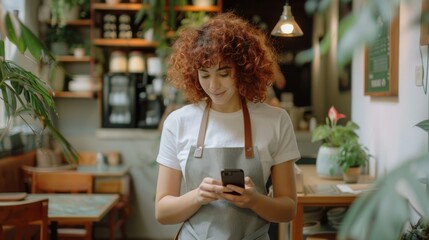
x,y
34,45
12,33
5,99
383,212
18,87
2,52
424,125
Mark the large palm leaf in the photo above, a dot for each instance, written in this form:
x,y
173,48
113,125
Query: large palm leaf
x,y
23,93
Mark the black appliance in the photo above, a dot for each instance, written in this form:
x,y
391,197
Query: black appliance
x,y
129,101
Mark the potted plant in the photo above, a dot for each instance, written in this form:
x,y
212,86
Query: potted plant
x,y
333,136
24,93
351,157
160,21
59,39
63,10
192,19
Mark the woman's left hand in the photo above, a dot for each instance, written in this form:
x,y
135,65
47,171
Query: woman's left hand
x,y
247,195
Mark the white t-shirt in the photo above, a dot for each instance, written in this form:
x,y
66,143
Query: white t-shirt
x,y
272,134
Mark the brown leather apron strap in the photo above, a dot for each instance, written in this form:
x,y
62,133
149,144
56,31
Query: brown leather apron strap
x,y
202,134
248,145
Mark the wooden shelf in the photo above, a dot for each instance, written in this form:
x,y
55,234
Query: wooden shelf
x,y
76,23
68,94
133,42
137,7
120,6
192,8
69,58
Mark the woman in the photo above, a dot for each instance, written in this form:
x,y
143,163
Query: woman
x,y
224,68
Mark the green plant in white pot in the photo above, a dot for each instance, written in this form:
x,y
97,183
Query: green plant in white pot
x,y
333,135
351,157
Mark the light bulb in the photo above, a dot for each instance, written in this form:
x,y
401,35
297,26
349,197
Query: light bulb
x,y
287,28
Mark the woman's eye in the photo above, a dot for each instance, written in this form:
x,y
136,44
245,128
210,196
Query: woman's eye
x,y
204,76
225,74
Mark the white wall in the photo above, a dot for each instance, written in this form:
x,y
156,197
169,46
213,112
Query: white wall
x,y
387,123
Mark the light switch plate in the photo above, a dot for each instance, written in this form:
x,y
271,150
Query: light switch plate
x,y
419,76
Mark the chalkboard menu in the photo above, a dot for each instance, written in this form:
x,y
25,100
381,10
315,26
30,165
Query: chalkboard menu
x,y
381,62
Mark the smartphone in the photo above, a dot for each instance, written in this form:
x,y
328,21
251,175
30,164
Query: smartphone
x,y
233,177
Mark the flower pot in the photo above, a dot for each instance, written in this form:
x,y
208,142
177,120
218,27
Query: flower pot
x,y
351,175
59,48
326,163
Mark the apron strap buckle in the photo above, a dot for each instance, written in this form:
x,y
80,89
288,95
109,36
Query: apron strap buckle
x,y
198,152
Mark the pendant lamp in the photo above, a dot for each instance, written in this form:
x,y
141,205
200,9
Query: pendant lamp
x,y
287,26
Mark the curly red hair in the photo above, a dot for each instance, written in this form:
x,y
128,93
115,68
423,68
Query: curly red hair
x,y
224,38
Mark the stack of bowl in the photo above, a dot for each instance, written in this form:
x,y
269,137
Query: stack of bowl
x,y
312,218
335,216
81,83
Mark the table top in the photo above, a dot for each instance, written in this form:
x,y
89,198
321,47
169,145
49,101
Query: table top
x,y
319,190
74,207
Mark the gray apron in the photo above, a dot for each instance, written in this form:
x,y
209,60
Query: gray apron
x,y
220,219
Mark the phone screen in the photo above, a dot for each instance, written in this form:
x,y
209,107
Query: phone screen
x,y
233,177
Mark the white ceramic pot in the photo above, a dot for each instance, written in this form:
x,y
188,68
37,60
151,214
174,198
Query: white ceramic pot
x,y
154,66
327,164
79,52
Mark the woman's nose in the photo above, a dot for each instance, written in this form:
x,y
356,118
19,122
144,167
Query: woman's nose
x,y
214,83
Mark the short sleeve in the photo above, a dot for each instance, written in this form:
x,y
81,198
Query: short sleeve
x,y
167,155
287,147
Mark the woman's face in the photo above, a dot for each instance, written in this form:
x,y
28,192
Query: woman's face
x,y
219,84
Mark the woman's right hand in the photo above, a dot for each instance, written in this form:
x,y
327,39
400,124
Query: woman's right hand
x,y
208,190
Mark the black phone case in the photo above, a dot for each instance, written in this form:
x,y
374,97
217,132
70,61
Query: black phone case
x,y
233,177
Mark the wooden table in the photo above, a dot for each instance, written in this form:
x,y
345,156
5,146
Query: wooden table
x,y
108,179
317,192
75,207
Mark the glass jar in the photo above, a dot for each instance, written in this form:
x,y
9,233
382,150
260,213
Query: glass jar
x,y
135,62
118,62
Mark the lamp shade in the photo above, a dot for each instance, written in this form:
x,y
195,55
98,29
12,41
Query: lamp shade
x,y
287,26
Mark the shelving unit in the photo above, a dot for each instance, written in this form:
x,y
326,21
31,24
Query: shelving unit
x,y
106,37
71,59
73,64
68,94
133,42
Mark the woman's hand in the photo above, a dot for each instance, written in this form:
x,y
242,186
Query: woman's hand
x,y
208,190
247,196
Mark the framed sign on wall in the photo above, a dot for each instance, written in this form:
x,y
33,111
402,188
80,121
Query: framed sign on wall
x,y
381,61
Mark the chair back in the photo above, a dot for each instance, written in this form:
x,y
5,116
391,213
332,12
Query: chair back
x,y
90,158
87,158
21,214
62,182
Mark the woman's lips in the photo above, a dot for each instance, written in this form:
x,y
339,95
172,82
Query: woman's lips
x,y
218,94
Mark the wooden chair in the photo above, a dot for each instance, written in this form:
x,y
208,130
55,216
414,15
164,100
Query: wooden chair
x,y
65,182
22,216
120,212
